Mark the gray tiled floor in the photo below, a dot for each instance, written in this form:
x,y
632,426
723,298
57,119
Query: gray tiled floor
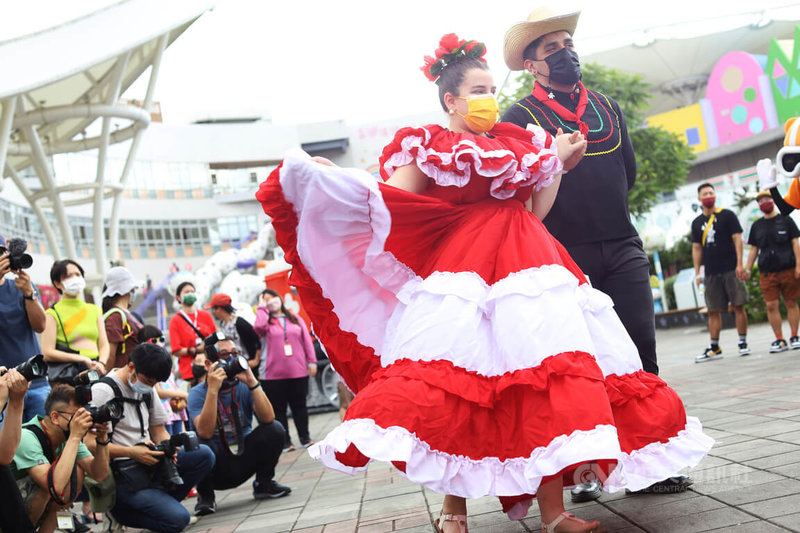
x,y
749,483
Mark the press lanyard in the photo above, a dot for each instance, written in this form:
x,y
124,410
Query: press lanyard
x,y
287,346
236,425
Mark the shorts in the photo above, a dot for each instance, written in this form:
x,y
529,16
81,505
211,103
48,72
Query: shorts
x,y
722,289
783,282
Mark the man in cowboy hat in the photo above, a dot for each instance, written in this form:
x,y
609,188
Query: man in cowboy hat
x,y
590,216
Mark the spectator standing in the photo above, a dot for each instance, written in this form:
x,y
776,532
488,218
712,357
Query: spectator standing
x,y
287,360
717,246
187,329
236,328
173,398
72,323
21,318
222,411
122,327
773,240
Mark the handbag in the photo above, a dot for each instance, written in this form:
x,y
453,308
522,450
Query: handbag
x,y
63,372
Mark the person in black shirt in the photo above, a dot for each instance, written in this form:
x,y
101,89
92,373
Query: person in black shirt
x,y
774,240
717,245
590,215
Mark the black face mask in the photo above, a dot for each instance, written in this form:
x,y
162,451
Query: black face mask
x,y
198,371
565,67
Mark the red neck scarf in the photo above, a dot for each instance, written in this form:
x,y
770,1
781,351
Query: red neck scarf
x,y
583,98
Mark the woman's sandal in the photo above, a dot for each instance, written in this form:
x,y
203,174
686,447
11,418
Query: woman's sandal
x,y
551,527
461,519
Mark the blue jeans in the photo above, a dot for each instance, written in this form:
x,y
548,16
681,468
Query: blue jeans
x,y
158,509
33,403
173,428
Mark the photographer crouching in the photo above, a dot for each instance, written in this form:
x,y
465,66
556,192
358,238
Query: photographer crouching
x,y
13,387
151,478
51,459
222,410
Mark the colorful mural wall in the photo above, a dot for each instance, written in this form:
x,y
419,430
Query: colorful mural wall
x,y
746,95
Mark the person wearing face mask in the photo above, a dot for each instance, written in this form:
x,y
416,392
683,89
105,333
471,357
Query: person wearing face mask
x,y
172,396
717,246
590,215
187,329
222,409
287,361
144,500
773,240
74,330
122,327
51,460
481,359
236,328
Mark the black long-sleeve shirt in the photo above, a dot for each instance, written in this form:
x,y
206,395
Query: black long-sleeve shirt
x,y
592,202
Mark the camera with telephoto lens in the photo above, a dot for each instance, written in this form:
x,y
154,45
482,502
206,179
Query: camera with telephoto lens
x,y
33,368
17,258
166,466
111,411
233,366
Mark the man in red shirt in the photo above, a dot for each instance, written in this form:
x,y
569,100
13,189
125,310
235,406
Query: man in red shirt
x,y
188,328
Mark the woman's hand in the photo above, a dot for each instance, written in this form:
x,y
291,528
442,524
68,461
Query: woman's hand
x,y
570,148
100,367
323,161
312,370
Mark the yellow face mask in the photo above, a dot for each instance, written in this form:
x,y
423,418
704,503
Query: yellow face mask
x,y
482,112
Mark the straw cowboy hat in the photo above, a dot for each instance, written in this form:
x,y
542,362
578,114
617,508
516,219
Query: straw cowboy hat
x,y
541,21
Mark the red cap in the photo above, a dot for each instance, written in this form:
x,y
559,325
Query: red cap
x,y
218,300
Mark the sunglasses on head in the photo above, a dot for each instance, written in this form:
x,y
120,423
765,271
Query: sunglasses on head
x,y
156,340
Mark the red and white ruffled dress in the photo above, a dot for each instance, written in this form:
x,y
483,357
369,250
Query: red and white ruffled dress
x,y
482,360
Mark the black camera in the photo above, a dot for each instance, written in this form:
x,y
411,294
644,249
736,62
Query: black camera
x,y
33,368
233,366
17,258
111,411
166,466
83,385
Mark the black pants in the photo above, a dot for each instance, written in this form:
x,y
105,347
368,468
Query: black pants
x,y
13,516
262,448
292,392
620,269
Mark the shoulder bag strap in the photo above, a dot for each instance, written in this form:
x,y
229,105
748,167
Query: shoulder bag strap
x,y
709,224
62,325
197,331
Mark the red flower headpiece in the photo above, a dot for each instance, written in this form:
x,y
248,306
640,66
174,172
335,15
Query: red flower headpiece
x,y
451,49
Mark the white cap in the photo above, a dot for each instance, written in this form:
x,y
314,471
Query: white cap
x,y
119,280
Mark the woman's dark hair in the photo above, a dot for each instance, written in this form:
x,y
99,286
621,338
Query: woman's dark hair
x,y
453,75
148,332
60,393
182,285
109,301
289,315
152,361
59,270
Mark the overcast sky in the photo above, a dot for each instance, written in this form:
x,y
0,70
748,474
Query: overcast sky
x,y
359,60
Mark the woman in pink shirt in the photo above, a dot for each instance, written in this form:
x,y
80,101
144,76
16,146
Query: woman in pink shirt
x,y
287,359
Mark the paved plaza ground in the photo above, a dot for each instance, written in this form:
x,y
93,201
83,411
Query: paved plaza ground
x,y
749,483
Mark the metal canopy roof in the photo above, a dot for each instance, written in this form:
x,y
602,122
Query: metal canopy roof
x,y
678,69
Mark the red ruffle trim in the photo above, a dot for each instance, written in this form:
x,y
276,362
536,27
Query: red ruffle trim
x,y
354,362
451,152
441,403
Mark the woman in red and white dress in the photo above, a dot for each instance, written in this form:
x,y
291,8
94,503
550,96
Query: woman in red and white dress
x,y
482,360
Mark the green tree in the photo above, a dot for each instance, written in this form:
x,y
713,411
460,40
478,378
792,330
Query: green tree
x,y
663,160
